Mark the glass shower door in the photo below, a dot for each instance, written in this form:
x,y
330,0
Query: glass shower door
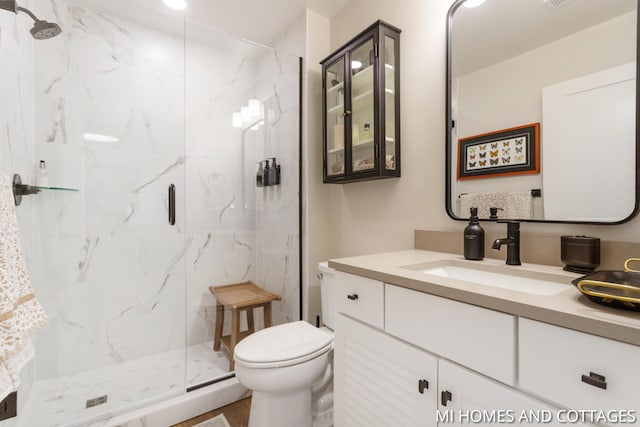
x,y
109,112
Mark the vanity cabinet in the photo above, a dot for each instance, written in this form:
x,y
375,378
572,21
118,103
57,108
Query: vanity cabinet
x,y
361,107
404,357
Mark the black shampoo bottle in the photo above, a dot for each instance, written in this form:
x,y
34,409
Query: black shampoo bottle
x,y
474,238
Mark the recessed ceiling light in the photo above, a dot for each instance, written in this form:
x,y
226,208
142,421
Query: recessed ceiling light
x,y
176,4
470,3
356,64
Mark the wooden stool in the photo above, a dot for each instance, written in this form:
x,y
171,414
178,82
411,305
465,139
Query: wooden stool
x,y
239,297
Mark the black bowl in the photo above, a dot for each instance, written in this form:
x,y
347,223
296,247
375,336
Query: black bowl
x,y
613,296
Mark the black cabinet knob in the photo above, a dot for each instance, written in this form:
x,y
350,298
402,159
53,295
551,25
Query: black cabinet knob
x,y
353,297
422,386
445,397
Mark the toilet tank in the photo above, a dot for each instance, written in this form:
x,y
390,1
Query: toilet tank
x,y
326,294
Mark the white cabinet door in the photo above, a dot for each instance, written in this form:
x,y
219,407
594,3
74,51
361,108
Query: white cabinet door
x,y
381,381
579,370
466,398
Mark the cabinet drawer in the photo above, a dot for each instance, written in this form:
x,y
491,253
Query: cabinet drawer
x,y
360,298
554,361
478,338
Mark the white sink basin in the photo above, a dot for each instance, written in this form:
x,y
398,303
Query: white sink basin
x,y
532,282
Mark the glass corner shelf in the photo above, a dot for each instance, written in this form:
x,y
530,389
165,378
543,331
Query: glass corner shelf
x,y
57,188
20,189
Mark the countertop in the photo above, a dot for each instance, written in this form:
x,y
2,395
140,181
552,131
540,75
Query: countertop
x,y
568,308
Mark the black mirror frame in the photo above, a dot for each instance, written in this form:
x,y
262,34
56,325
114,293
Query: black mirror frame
x,y
449,128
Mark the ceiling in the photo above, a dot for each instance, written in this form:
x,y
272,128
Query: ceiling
x,y
255,20
502,29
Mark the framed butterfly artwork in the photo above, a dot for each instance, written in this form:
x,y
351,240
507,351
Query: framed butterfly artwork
x,y
513,151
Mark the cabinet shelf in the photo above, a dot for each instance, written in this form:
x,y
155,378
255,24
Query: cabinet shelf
x,y
337,109
360,144
335,87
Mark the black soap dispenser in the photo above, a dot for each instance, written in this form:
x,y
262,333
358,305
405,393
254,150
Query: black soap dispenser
x,y
273,178
259,176
474,238
266,174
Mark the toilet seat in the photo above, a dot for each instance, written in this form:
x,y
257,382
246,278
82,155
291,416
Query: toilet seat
x,y
283,345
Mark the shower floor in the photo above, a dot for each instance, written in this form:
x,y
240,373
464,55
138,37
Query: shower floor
x,y
129,385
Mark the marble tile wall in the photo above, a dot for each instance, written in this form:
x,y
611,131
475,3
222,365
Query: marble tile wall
x,y
16,134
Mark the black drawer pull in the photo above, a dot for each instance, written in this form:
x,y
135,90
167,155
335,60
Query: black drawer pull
x,y
595,380
445,397
422,386
353,297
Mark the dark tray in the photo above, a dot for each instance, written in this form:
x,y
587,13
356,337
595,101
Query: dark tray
x,y
619,289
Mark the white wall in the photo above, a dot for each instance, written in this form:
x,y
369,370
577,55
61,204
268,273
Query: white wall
x,y
380,216
316,223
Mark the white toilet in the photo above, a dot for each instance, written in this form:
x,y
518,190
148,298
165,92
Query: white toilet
x,y
283,365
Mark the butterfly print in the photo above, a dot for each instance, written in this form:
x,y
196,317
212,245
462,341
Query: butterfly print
x,y
506,143
494,153
494,145
519,149
494,161
483,162
483,155
505,151
472,150
519,141
473,156
472,164
506,159
483,147
519,158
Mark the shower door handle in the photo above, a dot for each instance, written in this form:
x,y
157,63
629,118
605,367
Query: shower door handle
x,y
172,204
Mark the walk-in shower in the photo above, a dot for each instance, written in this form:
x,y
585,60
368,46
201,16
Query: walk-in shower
x,y
41,29
131,318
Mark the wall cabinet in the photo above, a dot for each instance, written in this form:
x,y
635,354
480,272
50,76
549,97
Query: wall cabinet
x,y
416,359
361,107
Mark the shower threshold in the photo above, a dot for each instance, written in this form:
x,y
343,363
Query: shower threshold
x,y
85,398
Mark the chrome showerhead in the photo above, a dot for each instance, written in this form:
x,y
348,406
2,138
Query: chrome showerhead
x,y
41,29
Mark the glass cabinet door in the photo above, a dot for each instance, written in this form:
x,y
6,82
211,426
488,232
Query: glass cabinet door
x,y
363,127
389,162
335,113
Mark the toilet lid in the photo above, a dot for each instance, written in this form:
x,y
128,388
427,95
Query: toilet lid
x,y
284,344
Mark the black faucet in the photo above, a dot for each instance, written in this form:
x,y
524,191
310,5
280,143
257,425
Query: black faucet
x,y
512,241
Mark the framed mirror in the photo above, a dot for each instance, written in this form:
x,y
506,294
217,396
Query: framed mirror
x,y
542,107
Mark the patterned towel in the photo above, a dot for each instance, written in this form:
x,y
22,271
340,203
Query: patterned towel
x,y
20,312
514,204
